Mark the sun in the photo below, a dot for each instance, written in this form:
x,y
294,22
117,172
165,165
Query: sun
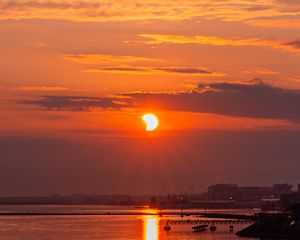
x,y
151,121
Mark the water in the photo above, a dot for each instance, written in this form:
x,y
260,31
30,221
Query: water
x,y
98,227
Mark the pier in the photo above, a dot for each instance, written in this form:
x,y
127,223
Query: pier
x,y
210,222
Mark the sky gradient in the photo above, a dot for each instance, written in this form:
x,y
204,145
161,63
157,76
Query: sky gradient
x,y
223,77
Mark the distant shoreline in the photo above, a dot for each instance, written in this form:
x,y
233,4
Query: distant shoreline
x,y
139,206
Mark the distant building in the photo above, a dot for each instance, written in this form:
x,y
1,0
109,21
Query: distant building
x,y
253,193
233,192
222,192
288,199
279,189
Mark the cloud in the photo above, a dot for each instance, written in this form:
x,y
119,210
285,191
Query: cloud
x,y
216,41
281,21
121,69
184,70
288,2
128,64
73,103
258,8
32,4
124,10
124,69
287,5
255,100
295,43
105,59
251,12
252,100
40,88
155,70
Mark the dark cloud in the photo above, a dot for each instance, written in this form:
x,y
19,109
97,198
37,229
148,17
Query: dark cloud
x,y
124,69
73,103
295,43
253,100
188,70
180,70
256,100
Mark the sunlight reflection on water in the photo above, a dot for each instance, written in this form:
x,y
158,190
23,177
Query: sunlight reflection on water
x,y
150,226
110,227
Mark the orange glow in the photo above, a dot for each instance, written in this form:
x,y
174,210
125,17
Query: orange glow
x,y
150,228
151,121
149,211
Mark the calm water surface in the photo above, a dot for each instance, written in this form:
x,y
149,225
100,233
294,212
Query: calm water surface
x,y
98,227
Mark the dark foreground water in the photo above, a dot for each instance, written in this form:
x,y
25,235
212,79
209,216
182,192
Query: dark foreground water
x,y
98,227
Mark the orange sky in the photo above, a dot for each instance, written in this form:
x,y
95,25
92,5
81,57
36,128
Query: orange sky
x,y
87,70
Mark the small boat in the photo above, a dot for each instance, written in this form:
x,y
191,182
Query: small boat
x,y
213,228
167,226
200,228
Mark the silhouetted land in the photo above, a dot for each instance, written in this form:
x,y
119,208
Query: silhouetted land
x,y
226,196
275,226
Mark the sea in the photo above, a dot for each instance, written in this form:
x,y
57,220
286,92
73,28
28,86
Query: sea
x,y
113,227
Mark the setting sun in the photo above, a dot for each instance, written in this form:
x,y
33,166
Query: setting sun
x,y
151,121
